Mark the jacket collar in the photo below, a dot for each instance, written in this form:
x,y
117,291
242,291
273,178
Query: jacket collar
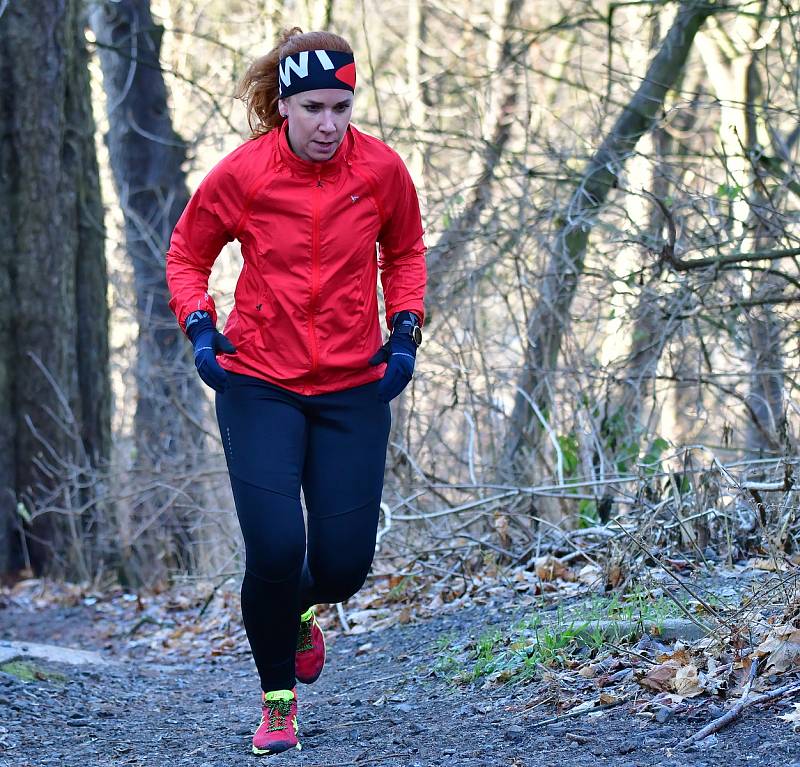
x,y
303,167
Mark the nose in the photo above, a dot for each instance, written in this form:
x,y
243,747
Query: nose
x,y
326,124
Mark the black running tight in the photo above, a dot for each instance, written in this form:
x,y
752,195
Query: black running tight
x,y
333,446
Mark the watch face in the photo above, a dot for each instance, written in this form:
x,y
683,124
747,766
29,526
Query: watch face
x,y
416,335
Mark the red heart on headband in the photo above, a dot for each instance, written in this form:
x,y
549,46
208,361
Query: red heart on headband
x,y
347,74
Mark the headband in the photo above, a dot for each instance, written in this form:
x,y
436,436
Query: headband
x,y
309,70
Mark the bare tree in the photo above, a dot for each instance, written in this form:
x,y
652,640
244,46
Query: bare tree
x,y
450,247
549,321
147,156
54,386
767,430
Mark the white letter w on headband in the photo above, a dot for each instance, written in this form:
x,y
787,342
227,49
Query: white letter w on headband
x,y
300,68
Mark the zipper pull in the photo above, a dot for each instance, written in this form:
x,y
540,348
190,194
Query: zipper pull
x,y
319,179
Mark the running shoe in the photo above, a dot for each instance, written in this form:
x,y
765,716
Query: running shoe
x,y
310,656
277,730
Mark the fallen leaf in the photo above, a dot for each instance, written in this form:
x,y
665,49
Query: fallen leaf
x,y
497,678
591,575
500,523
548,568
687,681
396,580
614,574
680,657
782,647
793,717
660,678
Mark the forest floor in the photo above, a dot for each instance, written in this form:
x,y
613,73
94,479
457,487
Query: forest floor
x,y
429,691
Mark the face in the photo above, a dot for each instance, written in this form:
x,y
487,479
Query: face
x,y
317,121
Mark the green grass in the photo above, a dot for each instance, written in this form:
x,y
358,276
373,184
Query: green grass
x,y
401,589
636,605
532,645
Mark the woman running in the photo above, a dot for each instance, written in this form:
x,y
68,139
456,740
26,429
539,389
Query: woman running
x,y
302,380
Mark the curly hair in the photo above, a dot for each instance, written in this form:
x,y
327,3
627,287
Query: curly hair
x,y
258,88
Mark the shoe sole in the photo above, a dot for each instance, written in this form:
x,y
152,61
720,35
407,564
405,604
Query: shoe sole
x,y
271,751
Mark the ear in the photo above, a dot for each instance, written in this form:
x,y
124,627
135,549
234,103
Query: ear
x,y
282,108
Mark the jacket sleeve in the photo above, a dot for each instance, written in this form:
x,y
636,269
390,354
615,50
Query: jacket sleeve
x,y
206,224
401,249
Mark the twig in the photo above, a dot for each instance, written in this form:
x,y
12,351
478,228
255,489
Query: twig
x,y
211,596
550,434
144,619
456,509
729,716
582,553
178,405
387,524
574,713
342,617
685,587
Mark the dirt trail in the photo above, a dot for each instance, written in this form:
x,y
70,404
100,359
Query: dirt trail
x,y
375,706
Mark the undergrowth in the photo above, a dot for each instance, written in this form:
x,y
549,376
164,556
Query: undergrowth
x,y
546,640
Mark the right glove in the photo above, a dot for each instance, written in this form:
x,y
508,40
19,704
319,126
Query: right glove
x,y
208,342
399,353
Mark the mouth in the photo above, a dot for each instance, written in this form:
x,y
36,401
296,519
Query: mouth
x,y
325,145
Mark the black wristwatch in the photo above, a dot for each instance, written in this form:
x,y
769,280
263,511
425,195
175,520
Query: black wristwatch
x,y
408,322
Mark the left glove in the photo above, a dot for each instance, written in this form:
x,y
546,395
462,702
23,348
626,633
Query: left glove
x,y
208,342
400,354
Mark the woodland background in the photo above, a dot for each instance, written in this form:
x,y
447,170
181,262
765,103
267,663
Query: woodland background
x,y
610,196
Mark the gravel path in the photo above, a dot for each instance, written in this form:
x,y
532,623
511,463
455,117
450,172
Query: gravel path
x,y
380,705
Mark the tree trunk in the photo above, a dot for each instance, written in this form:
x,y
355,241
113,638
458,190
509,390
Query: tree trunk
x,y
656,317
54,385
767,427
146,160
547,323
734,71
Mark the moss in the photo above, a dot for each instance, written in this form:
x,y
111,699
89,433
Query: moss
x,y
28,672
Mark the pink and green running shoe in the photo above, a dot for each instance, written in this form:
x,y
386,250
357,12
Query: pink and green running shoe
x,y
277,730
310,656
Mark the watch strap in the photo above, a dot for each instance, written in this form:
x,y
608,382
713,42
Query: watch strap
x,y
407,323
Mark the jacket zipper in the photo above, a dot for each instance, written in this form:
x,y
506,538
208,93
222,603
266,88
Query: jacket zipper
x,y
315,277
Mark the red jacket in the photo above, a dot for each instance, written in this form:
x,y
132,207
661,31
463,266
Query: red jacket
x,y
306,311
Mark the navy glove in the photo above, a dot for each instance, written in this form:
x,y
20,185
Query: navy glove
x,y
400,353
208,342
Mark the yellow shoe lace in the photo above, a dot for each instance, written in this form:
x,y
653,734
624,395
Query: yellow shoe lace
x,y
304,637
276,713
